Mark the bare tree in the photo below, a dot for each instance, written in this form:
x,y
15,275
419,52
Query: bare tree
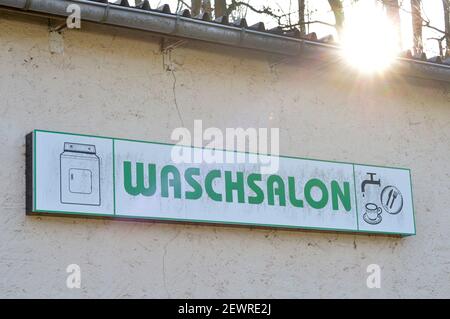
x,y
446,4
416,15
421,21
393,13
285,22
220,8
301,17
195,7
338,11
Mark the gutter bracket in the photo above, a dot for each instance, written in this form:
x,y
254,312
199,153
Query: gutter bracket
x,y
53,26
27,5
282,59
105,14
168,44
242,36
277,60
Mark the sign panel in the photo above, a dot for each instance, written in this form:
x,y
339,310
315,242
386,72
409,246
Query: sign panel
x,y
112,177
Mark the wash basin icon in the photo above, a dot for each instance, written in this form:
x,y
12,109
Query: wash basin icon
x,y
80,175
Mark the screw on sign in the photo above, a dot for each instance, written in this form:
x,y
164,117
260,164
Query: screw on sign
x,y
391,199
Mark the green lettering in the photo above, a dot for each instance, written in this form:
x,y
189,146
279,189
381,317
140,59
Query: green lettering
x,y
174,182
343,196
278,190
259,194
310,200
208,185
196,193
237,186
140,187
292,198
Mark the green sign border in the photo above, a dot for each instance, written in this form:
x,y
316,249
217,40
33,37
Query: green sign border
x,y
199,221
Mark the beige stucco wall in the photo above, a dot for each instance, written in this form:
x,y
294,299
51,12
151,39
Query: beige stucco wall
x,y
115,82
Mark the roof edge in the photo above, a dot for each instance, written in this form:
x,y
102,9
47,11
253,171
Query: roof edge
x,y
183,26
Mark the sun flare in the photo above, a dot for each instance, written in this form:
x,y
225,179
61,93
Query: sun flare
x,y
368,42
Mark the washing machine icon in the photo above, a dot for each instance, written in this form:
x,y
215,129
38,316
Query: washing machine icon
x,y
80,175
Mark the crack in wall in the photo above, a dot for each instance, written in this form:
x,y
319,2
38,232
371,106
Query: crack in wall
x,y
169,67
175,97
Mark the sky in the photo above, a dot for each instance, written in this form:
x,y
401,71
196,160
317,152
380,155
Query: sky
x,y
320,10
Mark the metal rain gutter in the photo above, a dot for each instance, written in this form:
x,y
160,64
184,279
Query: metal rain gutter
x,y
188,28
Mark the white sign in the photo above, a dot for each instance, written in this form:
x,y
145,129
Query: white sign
x,y
89,175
